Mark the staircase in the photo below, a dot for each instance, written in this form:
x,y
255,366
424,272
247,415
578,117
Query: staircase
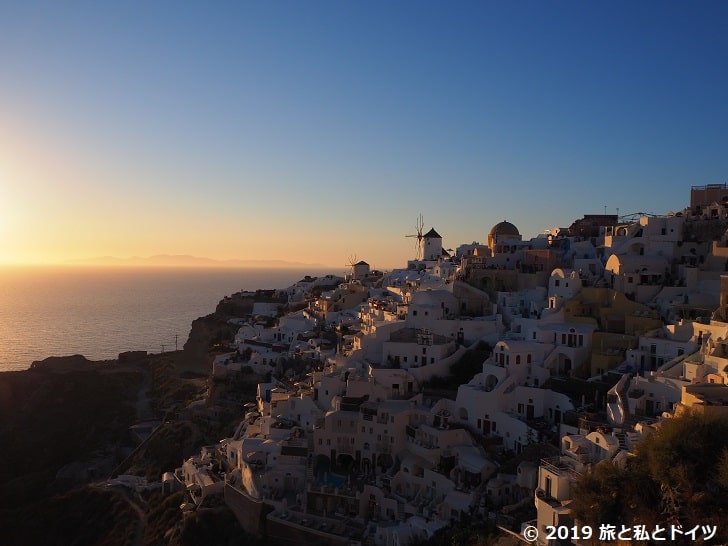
x,y
309,473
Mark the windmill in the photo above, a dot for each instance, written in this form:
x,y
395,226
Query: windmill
x,y
352,265
419,238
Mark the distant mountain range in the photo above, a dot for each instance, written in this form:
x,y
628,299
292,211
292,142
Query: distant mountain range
x,y
184,260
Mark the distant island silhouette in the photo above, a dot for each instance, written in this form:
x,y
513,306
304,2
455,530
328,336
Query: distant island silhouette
x,y
185,260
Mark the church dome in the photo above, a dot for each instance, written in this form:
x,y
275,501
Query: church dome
x,y
504,229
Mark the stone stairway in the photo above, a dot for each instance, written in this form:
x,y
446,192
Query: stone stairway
x,y
622,437
309,474
633,438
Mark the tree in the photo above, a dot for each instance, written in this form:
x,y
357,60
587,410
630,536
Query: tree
x,y
677,475
684,457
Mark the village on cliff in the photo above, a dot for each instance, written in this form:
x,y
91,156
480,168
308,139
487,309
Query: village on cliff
x,y
590,336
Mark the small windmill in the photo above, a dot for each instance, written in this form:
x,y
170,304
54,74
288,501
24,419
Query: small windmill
x,y
352,265
419,237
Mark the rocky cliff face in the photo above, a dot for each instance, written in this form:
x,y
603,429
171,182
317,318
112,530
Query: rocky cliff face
x,y
64,364
214,331
206,334
65,423
52,419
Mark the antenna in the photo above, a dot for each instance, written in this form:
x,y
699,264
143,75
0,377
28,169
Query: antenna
x,y
419,238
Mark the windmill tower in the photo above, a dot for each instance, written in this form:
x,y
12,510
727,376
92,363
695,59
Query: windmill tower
x,y
418,236
359,269
433,246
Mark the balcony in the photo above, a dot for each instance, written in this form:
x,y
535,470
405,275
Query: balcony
x,y
368,411
541,496
560,466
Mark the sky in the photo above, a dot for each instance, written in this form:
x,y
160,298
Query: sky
x,y
318,131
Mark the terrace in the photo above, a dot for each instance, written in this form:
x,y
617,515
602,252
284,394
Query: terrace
x,y
561,466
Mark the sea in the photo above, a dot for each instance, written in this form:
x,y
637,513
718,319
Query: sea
x,y
100,312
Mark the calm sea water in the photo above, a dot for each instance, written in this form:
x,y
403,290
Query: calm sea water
x,y
100,312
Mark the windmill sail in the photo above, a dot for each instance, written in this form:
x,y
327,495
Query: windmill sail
x,y
419,237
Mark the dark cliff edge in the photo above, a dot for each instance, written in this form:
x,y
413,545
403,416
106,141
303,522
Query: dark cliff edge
x,y
66,428
62,424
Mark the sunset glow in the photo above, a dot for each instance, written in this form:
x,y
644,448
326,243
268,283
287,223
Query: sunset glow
x,y
313,132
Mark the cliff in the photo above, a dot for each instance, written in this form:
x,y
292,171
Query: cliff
x,y
65,429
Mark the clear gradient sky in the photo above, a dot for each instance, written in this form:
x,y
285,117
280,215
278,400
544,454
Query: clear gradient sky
x,y
317,130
